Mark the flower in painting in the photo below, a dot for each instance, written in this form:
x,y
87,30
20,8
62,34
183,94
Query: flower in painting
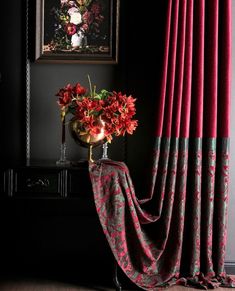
x,y
81,2
75,16
70,29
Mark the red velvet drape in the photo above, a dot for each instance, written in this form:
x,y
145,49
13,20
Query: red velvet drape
x,y
178,233
195,88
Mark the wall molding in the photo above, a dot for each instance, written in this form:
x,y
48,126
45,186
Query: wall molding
x,y
27,85
230,267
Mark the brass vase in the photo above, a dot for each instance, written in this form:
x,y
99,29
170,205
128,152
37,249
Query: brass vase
x,y
84,138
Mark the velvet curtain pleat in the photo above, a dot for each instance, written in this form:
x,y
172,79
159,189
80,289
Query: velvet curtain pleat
x,y
196,70
194,106
177,234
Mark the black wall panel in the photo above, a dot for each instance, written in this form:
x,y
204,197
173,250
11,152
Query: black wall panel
x,y
137,73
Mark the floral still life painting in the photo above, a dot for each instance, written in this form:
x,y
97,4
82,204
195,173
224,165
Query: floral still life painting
x,y
77,30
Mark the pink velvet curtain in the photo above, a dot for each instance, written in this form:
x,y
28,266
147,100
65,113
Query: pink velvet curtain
x,y
177,234
193,116
195,91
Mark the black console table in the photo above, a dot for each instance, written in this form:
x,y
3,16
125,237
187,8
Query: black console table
x,y
47,214
46,181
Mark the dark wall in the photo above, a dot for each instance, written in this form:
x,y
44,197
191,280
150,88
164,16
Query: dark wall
x,y
137,73
144,47
12,79
140,51
45,80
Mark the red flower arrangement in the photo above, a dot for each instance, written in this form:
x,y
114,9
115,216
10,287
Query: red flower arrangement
x,y
114,109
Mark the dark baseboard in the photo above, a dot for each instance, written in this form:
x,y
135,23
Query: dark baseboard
x,y
230,267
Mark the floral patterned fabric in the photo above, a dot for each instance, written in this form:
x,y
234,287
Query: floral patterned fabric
x,y
176,235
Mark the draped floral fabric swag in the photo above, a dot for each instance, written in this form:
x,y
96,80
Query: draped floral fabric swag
x,y
177,234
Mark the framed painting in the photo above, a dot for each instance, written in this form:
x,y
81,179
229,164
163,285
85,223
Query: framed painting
x,y
81,31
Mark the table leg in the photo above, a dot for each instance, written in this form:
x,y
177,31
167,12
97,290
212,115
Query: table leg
x,y
115,277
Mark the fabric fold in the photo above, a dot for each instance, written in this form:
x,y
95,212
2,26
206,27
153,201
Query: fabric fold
x,y
149,250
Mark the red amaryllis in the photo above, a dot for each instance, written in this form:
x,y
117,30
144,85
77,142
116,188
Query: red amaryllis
x,y
131,126
65,99
78,89
91,108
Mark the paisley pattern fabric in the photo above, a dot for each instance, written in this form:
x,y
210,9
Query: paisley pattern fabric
x,y
176,235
